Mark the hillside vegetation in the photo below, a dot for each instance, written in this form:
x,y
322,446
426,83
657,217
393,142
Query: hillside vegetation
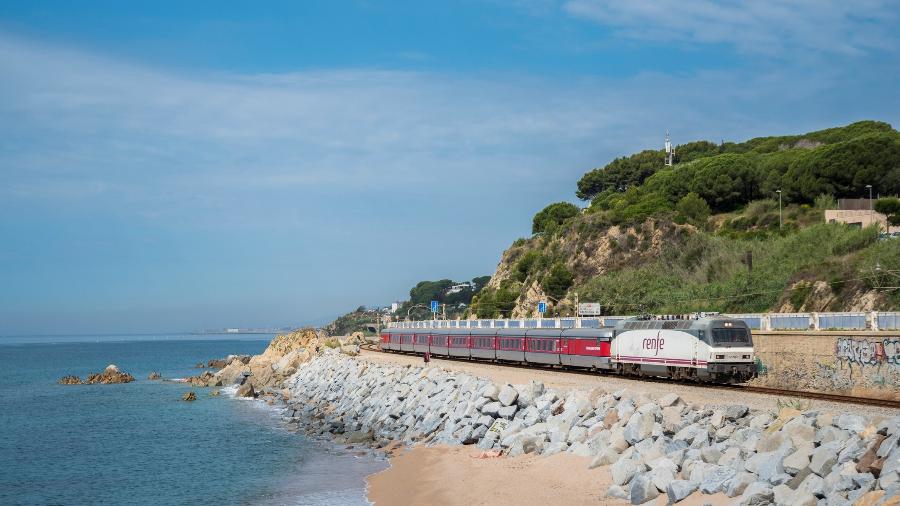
x,y
705,234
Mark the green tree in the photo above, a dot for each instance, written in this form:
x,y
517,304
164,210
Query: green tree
x,y
426,291
495,303
480,282
889,206
505,302
620,173
558,281
552,216
530,262
693,208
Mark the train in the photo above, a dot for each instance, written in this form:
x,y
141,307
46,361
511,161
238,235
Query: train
x,y
706,349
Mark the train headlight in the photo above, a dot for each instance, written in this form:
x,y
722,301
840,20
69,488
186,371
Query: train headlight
x,y
720,357
745,357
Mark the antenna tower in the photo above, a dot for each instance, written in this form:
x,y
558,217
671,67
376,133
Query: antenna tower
x,y
670,152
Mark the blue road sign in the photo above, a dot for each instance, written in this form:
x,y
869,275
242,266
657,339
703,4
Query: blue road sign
x,y
542,307
434,306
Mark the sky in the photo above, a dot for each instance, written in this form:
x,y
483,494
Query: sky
x,y
175,166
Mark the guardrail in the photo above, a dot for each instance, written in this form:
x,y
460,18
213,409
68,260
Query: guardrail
x,y
869,320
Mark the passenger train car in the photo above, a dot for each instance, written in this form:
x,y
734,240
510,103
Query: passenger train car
x,y
713,349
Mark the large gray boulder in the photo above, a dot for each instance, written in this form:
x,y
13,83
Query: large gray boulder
x,y
507,395
507,412
489,440
617,492
639,427
672,421
668,400
710,454
623,470
525,444
773,441
813,484
617,439
849,422
491,409
606,457
642,489
491,392
734,412
679,489
823,459
800,432
662,463
798,460
757,494
714,479
661,477
892,461
784,495
830,434
739,483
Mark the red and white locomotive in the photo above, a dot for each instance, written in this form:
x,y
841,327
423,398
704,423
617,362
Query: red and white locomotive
x,y
715,349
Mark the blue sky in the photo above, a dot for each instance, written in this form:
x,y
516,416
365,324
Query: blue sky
x,y
188,165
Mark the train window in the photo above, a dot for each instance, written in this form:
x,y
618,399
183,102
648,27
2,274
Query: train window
x,y
731,337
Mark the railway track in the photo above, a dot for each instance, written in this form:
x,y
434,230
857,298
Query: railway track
x,y
837,398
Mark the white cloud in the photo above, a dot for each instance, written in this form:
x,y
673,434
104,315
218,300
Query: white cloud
x,y
782,28
154,141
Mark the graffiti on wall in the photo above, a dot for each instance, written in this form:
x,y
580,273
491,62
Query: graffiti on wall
x,y
864,352
892,351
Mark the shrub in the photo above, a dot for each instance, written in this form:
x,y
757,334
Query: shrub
x,y
552,216
558,281
693,208
530,262
824,202
800,293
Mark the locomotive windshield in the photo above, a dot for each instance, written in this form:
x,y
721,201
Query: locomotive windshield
x,y
731,337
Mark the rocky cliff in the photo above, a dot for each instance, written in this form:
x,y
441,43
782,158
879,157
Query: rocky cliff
x,y
586,252
266,372
664,267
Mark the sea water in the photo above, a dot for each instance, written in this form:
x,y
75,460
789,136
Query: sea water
x,y
139,443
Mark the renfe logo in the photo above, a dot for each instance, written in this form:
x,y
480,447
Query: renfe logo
x,y
654,343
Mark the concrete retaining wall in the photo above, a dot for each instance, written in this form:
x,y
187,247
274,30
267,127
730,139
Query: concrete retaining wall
x,y
858,363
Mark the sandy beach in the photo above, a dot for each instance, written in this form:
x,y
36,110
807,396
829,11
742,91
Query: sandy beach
x,y
445,475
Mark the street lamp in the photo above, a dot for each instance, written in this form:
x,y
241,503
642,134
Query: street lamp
x,y
780,220
413,307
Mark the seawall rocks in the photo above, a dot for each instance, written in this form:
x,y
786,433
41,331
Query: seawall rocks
x,y
652,447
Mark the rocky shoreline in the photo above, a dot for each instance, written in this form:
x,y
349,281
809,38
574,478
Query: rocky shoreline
x,y
651,446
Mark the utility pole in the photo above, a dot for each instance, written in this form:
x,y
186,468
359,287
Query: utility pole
x,y
780,219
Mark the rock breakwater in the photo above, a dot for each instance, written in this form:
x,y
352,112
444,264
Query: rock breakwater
x,y
650,447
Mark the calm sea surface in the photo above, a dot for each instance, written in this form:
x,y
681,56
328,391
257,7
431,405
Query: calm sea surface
x,y
138,443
